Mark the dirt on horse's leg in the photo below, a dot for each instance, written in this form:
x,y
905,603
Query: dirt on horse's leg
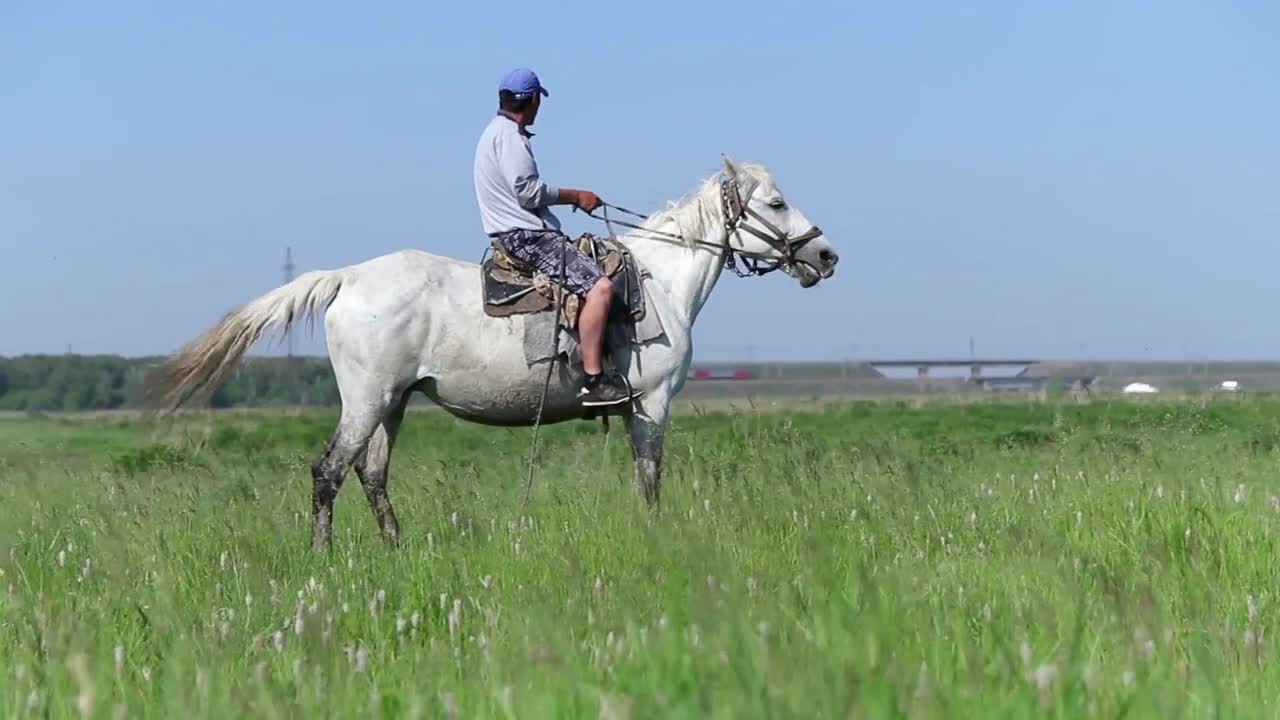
x,y
647,432
373,468
348,443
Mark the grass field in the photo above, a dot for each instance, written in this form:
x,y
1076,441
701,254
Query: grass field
x,y
881,559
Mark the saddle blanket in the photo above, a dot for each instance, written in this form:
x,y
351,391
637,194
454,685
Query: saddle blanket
x,y
618,338
510,287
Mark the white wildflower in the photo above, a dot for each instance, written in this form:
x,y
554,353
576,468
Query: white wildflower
x,y
1044,676
362,659
455,618
1145,645
922,682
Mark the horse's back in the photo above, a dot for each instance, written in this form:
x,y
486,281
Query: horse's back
x,y
412,261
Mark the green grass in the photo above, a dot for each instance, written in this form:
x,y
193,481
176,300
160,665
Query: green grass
x,y
976,559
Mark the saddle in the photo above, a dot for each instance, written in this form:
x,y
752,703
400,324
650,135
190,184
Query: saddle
x,y
512,287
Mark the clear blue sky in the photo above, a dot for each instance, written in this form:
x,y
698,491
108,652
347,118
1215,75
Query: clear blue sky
x,y
1052,179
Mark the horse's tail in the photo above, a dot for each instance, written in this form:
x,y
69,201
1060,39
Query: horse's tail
x,y
205,362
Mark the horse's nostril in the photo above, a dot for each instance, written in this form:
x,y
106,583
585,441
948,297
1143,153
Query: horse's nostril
x,y
828,257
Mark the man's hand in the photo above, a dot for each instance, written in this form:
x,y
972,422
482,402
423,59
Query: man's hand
x,y
583,199
588,200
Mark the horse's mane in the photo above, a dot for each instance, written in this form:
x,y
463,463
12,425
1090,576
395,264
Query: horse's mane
x,y
698,214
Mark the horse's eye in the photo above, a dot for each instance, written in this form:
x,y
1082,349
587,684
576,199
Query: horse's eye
x,y
777,204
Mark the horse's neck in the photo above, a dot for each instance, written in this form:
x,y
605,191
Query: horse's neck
x,y
687,274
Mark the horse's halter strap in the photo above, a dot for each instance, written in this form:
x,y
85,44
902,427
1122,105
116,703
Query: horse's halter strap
x,y
736,213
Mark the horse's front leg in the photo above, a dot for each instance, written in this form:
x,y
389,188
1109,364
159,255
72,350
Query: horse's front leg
x,y
647,427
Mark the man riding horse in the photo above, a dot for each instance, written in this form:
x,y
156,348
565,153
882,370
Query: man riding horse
x,y
515,211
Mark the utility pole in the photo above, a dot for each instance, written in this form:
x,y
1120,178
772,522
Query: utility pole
x,y
288,278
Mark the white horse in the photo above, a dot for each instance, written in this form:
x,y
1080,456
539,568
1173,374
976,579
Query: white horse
x,y
412,321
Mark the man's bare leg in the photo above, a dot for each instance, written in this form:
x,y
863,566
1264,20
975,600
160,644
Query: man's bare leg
x,y
597,389
591,323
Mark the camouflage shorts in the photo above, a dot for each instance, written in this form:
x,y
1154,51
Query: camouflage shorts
x,y
541,249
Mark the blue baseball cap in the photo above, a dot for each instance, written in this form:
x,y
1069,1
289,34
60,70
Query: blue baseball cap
x,y
523,82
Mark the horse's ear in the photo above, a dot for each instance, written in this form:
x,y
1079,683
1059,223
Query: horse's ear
x,y
730,168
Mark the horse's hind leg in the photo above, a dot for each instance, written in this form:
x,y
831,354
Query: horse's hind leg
x,y
348,442
373,467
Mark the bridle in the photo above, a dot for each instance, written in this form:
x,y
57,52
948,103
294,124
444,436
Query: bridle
x,y
736,215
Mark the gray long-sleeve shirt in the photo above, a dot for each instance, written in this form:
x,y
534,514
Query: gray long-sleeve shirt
x,y
509,190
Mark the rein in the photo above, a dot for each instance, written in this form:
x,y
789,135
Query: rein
x,y
735,213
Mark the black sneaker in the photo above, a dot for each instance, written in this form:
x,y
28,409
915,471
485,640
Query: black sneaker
x,y
598,390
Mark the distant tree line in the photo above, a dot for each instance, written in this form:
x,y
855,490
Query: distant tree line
x,y
110,382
